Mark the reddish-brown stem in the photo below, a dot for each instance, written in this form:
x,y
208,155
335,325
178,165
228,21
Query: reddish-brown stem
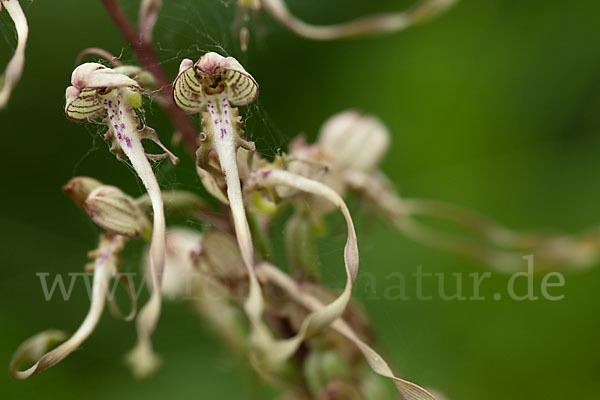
x,y
148,60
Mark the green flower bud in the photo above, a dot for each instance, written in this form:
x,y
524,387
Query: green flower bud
x,y
116,212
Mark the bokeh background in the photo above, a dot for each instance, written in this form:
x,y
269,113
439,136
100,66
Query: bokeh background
x,y
493,106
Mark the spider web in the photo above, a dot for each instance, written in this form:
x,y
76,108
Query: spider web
x,y
189,29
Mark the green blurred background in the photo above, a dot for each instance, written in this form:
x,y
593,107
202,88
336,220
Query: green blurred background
x,y
493,106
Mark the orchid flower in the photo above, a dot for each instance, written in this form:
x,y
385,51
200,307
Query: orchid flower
x,y
208,86
14,69
211,86
97,91
354,141
383,23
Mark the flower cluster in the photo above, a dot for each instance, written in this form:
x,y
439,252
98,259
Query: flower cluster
x,y
303,337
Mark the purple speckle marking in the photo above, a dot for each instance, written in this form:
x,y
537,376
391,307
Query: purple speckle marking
x,y
223,132
119,136
116,126
110,103
111,117
122,126
128,141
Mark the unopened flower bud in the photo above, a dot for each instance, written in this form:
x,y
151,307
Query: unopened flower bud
x,y
353,140
116,212
321,367
182,245
79,188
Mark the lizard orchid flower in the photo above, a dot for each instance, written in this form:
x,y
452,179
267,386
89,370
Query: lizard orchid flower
x,y
211,86
97,91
